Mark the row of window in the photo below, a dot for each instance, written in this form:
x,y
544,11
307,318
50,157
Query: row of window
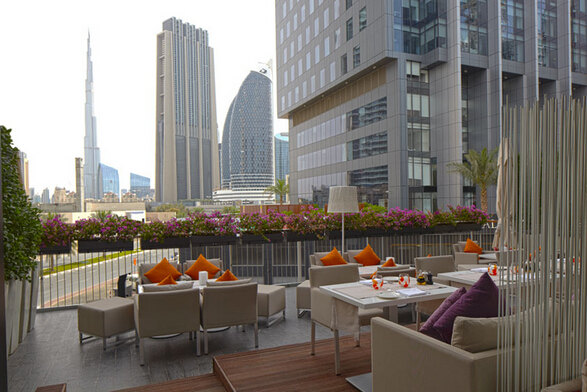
x,y
285,32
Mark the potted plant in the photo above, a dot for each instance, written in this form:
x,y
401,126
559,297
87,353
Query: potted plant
x,y
213,229
55,236
257,227
109,234
307,225
21,238
163,235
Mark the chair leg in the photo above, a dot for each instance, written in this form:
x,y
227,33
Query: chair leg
x,y
198,349
104,344
256,325
81,338
313,338
142,353
336,353
205,341
418,319
137,338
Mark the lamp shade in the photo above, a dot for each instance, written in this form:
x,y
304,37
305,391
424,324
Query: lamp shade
x,y
343,199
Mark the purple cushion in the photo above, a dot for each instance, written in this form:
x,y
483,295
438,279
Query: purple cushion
x,y
428,327
480,301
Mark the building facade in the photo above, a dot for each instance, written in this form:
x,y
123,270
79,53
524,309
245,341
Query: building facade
x,y
91,150
281,155
186,130
109,182
140,185
383,94
247,140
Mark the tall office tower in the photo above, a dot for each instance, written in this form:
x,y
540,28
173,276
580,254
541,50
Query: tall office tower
x,y
108,180
23,166
186,159
91,150
281,155
140,185
384,94
45,199
247,142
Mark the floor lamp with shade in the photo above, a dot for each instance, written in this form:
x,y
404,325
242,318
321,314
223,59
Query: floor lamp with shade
x,y
343,199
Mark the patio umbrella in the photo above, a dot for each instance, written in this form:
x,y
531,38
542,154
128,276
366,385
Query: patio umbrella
x,y
502,200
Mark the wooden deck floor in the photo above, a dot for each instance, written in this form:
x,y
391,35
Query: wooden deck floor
x,y
292,368
285,368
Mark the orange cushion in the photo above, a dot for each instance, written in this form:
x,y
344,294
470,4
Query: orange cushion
x,y
367,256
390,263
226,276
168,280
202,264
161,270
333,258
472,247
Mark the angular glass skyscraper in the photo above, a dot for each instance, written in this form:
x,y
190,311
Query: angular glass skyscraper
x,y
281,155
247,141
91,150
140,185
108,180
186,131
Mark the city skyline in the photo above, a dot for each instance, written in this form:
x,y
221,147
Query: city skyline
x,y
124,76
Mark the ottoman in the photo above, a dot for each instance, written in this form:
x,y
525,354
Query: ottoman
x,y
105,318
270,301
303,301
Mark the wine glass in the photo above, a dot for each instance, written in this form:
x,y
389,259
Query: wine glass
x,y
404,280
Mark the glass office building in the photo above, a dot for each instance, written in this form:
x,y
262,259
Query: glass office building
x,y
384,95
140,185
108,180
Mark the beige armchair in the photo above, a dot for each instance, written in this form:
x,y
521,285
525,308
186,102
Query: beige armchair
x,y
229,305
167,312
315,259
332,313
434,265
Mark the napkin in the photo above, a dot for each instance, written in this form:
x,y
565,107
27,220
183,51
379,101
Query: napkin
x,y
482,269
412,292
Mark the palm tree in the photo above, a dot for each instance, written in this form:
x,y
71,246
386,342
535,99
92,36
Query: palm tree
x,y
281,189
101,215
480,168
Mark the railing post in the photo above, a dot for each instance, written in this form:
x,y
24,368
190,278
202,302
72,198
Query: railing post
x,y
42,283
299,260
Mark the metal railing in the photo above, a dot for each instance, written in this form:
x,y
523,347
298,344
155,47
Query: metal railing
x,y
76,278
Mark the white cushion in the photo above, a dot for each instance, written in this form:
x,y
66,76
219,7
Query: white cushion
x,y
148,288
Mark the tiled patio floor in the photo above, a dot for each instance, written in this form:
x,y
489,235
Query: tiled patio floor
x,y
51,353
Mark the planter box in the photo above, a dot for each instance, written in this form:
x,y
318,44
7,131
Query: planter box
x,y
13,297
291,236
337,234
88,246
55,249
167,243
262,239
210,240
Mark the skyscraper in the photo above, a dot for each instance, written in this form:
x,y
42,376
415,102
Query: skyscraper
x,y
186,159
281,155
140,185
247,141
109,182
91,150
384,94
45,199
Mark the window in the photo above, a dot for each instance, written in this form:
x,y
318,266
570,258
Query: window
x,y
307,35
322,77
349,4
308,61
317,54
313,83
316,26
332,71
299,42
281,36
284,10
362,18
285,78
343,64
300,66
326,46
356,56
336,38
368,114
289,98
304,89
367,146
287,29
291,49
311,6
282,102
349,29
303,13
336,9
284,55
297,94
326,17
291,73
295,22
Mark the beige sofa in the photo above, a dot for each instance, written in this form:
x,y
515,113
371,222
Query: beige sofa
x,y
411,361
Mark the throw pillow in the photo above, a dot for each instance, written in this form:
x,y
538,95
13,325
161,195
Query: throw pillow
x,y
333,258
428,327
367,257
202,264
168,280
480,301
390,263
472,247
226,276
161,270
475,334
